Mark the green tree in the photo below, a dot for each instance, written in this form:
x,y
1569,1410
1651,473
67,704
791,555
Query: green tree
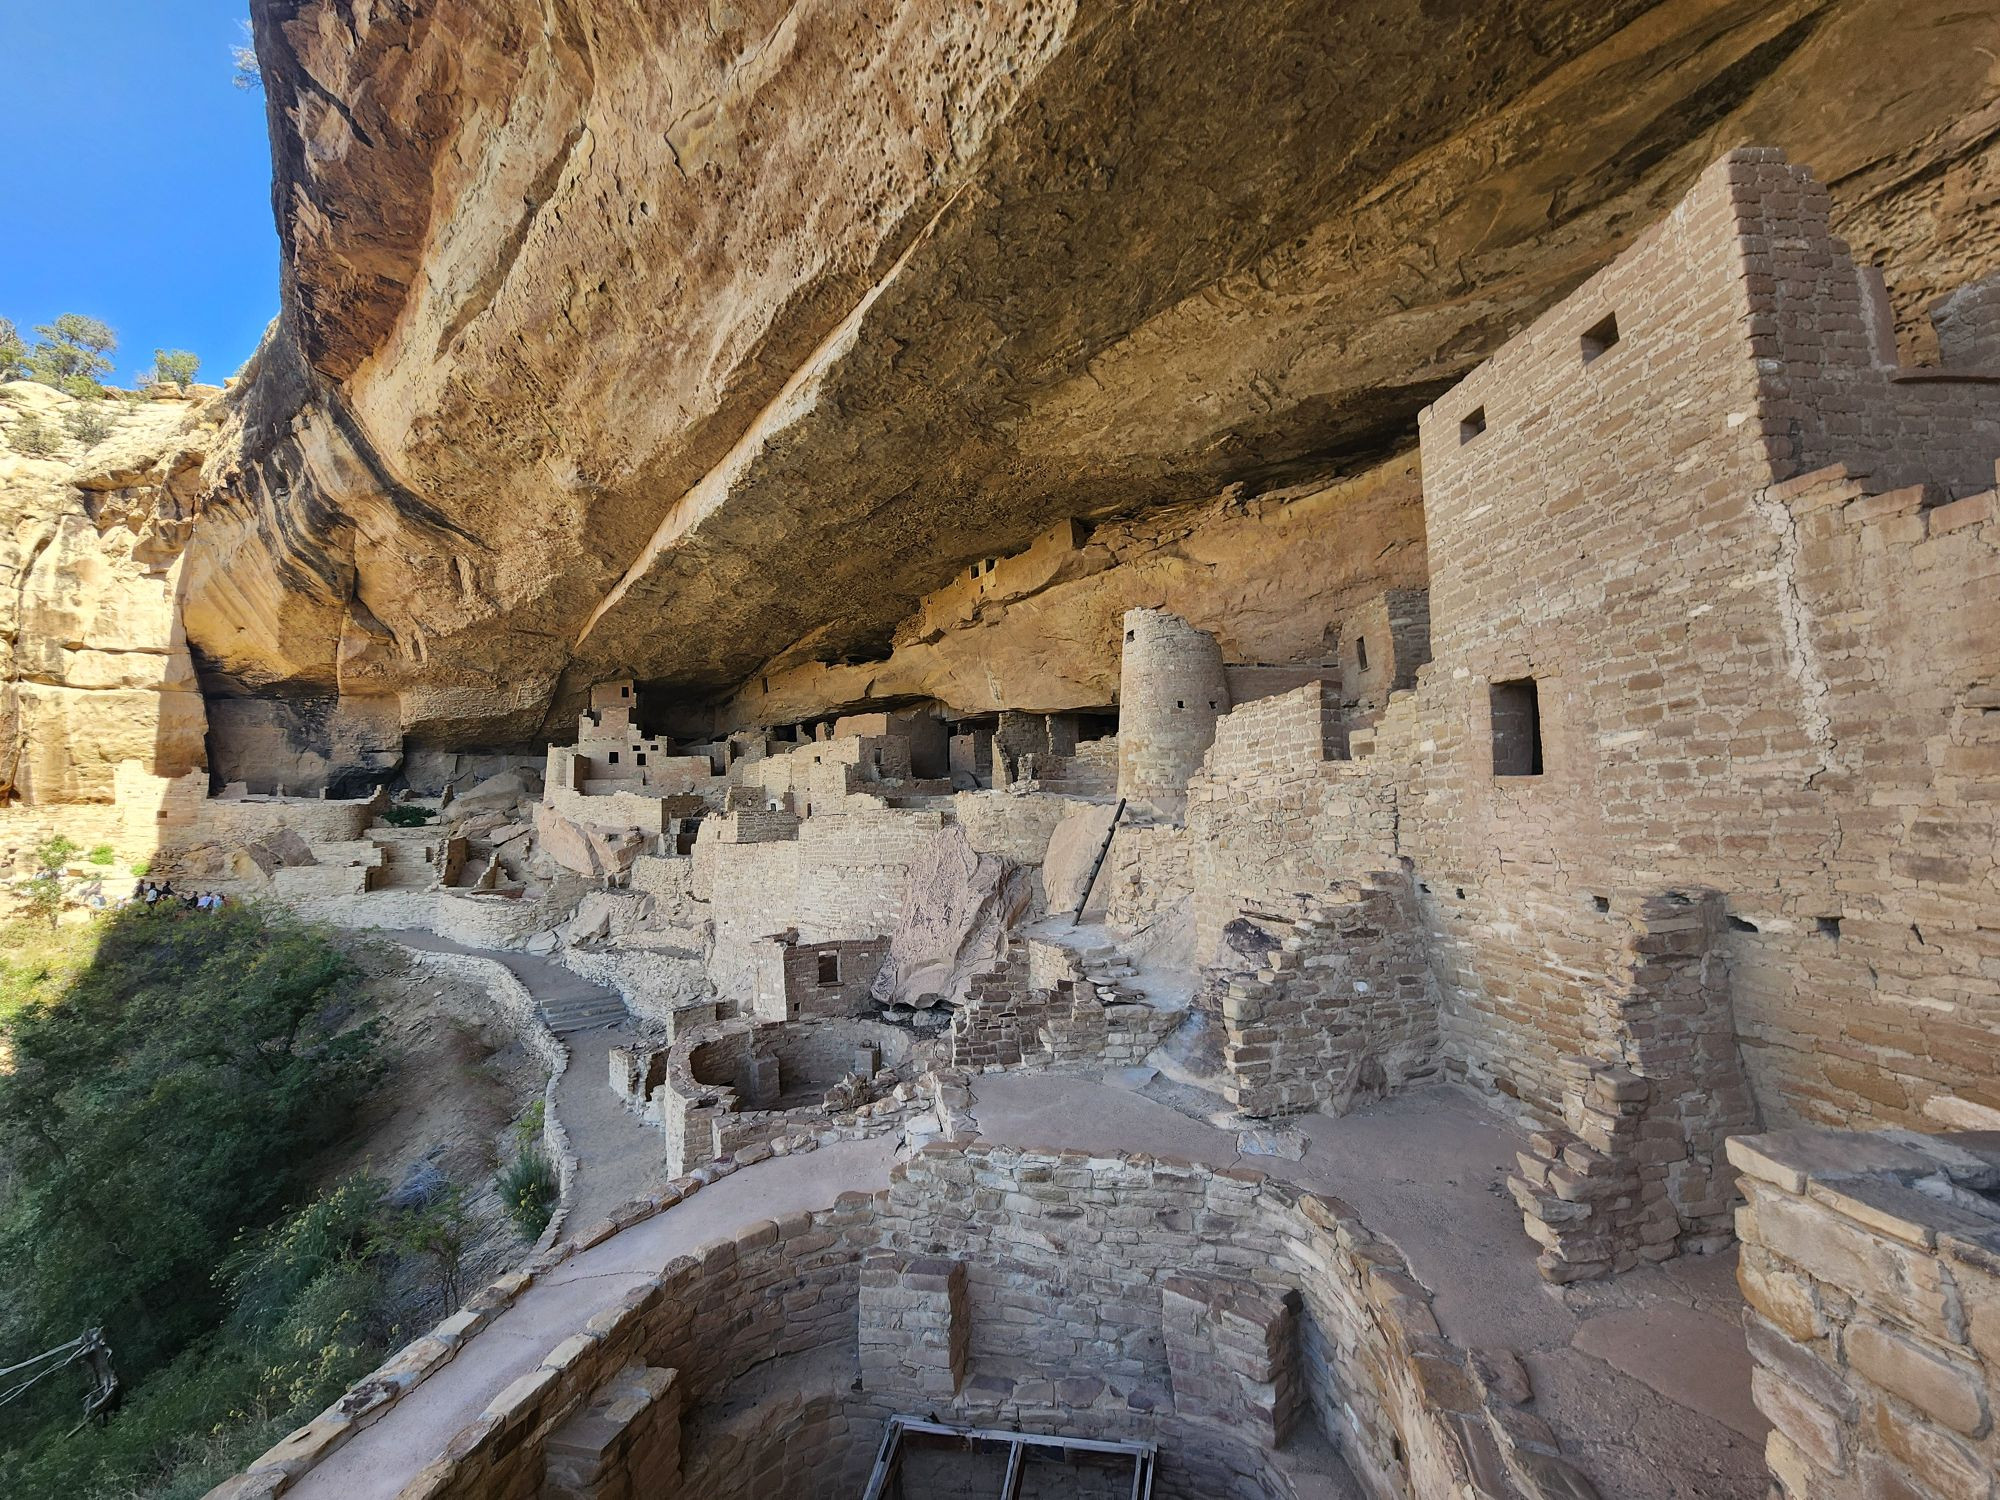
x,y
34,437
44,896
54,854
175,366
72,347
13,352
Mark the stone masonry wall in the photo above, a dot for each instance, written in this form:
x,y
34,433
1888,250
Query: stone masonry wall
x,y
780,1290
1871,1263
1746,681
1347,1008
1211,1311
843,876
1273,820
1774,689
1077,1272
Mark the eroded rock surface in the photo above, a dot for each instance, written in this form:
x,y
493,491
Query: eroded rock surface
x,y
676,341
94,664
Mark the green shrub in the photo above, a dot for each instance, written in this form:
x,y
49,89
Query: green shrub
x,y
232,1393
440,1232
87,424
267,1273
103,854
34,437
528,1129
142,867
38,963
406,815
172,1093
531,1188
171,1083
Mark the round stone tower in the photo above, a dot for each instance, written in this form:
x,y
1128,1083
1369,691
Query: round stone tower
x,y
1171,690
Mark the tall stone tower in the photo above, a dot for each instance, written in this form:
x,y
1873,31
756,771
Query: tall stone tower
x,y
1171,690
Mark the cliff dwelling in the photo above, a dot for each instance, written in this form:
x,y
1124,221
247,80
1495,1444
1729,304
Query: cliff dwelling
x,y
1212,755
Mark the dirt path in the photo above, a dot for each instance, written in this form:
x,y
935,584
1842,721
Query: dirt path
x,y
378,1462
618,1155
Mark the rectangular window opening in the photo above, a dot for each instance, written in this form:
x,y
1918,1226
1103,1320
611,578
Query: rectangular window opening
x,y
1517,728
614,757
1361,652
1600,337
1472,426
640,758
829,968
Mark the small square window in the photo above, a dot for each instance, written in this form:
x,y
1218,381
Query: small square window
x,y
614,757
624,692
1472,426
829,968
1517,728
1599,337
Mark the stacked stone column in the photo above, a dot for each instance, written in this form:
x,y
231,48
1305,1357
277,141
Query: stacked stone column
x,y
1233,1349
625,1444
914,1327
1636,1172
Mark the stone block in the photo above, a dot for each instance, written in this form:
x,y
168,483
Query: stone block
x,y
1812,1430
1947,1389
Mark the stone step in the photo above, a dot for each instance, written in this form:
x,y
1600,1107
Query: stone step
x,y
564,1022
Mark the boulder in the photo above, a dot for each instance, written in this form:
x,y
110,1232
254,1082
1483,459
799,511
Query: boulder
x,y
954,923
586,850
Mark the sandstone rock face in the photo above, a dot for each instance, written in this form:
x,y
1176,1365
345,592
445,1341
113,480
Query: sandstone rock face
x,y
675,341
94,664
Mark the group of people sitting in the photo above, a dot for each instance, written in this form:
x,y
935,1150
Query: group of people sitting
x,y
153,892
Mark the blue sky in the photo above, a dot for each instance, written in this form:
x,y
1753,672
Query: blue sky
x,y
135,183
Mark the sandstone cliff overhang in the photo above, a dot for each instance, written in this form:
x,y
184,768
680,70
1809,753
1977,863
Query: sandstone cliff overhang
x,y
662,342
